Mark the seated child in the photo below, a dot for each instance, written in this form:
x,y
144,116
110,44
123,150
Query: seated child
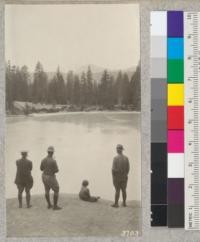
x,y
84,193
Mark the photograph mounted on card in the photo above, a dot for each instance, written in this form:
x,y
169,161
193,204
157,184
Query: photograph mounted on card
x,y
73,114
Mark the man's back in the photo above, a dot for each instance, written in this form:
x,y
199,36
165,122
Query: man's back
x,y
120,168
49,166
24,167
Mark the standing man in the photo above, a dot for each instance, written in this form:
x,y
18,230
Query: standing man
x,y
120,170
24,179
49,168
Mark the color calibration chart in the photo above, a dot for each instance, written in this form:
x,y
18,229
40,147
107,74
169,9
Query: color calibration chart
x,y
175,116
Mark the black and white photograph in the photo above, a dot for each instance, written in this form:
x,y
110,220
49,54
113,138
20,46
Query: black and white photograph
x,y
73,120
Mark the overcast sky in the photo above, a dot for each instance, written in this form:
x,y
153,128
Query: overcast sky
x,y
72,36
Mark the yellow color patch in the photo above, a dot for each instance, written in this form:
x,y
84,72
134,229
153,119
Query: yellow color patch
x,y
175,94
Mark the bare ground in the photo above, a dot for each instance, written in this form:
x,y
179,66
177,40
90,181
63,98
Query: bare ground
x,y
77,218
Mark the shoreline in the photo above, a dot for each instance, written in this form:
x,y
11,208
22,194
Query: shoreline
x,y
71,112
71,195
29,108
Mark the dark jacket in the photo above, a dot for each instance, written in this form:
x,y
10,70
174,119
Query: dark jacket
x,y
49,166
120,167
24,168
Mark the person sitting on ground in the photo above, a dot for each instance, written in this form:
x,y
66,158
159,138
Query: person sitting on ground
x,y
84,193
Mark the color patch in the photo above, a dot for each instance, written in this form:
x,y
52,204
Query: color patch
x,y
175,72
159,173
175,214
159,215
158,73
158,47
175,48
159,110
175,166
158,151
175,117
159,88
158,182
175,122
158,23
158,131
175,191
175,141
158,68
175,24
175,94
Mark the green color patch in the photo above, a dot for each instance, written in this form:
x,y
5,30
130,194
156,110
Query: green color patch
x,y
175,71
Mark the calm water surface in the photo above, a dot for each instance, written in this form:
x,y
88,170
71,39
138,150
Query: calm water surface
x,y
84,149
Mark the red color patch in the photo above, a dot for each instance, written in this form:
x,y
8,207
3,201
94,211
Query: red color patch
x,y
175,117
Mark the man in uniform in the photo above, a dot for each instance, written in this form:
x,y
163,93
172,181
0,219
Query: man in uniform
x,y
120,170
49,168
24,179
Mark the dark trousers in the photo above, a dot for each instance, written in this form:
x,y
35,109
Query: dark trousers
x,y
27,188
120,185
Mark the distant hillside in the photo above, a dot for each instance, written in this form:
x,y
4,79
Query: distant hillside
x,y
77,218
96,71
94,68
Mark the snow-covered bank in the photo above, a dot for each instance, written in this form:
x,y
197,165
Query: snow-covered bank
x,y
27,108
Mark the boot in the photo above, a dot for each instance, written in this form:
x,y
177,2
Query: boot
x,y
124,198
28,198
115,205
55,201
20,200
48,201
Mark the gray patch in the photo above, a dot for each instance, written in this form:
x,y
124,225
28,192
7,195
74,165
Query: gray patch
x,y
158,88
158,47
158,131
158,68
159,109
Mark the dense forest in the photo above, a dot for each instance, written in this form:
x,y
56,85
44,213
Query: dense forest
x,y
72,89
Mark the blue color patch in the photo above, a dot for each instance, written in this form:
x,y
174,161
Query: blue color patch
x,y
175,48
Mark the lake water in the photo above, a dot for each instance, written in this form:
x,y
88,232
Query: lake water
x,y
84,149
